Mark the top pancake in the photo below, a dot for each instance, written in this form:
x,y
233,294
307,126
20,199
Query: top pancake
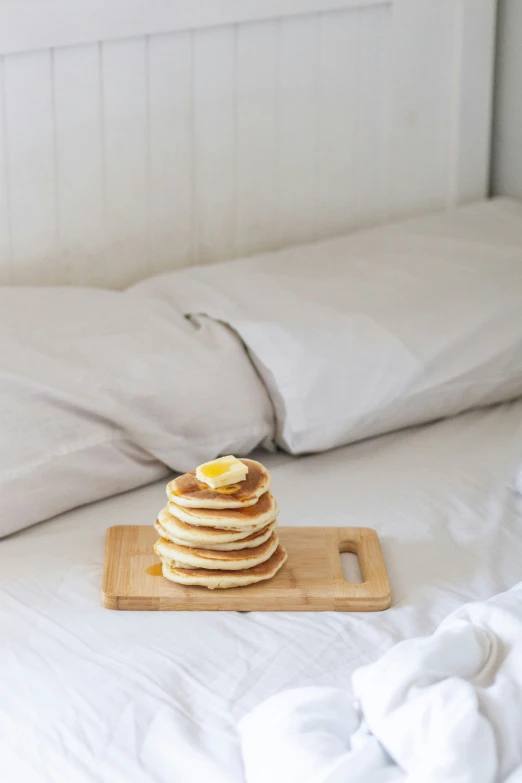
x,y
187,491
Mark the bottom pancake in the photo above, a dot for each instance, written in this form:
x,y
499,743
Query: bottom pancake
x,y
225,579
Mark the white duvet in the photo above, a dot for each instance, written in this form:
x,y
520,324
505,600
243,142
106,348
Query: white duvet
x,y
87,694
445,708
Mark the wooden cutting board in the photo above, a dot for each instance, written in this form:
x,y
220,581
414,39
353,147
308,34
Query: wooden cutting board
x,y
311,580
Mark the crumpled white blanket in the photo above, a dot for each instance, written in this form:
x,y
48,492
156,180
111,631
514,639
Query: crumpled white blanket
x,y
440,709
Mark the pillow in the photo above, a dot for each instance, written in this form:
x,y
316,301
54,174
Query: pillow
x,y
368,333
101,391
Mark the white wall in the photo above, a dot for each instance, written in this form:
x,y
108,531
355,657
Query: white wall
x,y
507,126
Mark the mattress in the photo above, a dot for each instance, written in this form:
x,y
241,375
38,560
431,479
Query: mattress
x,y
88,694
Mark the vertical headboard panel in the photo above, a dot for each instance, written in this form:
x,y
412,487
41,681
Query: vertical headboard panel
x,y
196,141
507,126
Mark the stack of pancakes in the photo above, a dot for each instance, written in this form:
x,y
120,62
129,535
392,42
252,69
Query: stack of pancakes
x,y
222,537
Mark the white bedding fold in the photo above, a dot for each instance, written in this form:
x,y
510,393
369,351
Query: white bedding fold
x,y
441,709
363,334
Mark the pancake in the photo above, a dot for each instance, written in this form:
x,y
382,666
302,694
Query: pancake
x,y
225,579
254,517
234,560
197,535
188,492
254,539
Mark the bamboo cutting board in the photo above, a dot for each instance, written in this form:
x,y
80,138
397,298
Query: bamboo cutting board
x,y
311,580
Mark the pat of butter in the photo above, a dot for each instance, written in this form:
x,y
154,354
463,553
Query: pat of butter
x,y
221,472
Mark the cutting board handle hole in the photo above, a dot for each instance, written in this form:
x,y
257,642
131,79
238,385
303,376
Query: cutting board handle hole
x,y
351,567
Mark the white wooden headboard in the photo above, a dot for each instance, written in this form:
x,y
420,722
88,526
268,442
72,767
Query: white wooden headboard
x,y
138,136
507,125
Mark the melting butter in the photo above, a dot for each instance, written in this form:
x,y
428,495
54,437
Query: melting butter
x,y
216,468
222,472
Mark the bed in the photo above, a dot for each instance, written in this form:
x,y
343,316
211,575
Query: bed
x,y
87,694
145,138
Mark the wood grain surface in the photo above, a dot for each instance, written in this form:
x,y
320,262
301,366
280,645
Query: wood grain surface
x,y
311,580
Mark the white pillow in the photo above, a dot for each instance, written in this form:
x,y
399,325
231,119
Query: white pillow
x,y
363,334
100,390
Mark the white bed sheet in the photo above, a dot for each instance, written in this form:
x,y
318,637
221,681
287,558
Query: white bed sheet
x,y
87,694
